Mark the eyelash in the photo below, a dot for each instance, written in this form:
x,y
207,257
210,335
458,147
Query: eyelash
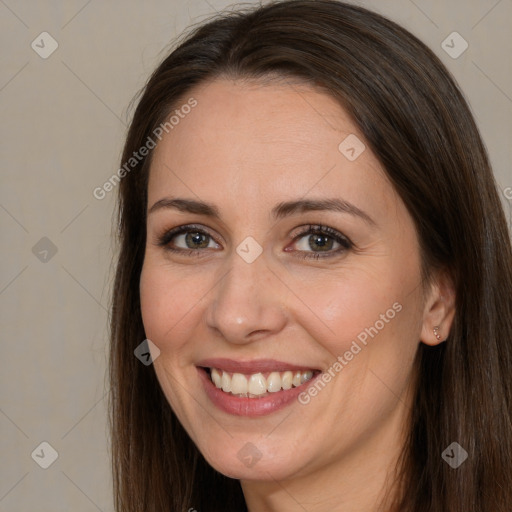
x,y
318,229
312,229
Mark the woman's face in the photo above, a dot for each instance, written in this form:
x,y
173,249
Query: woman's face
x,y
294,256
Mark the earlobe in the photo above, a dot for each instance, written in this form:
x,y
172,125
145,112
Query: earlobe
x,y
439,311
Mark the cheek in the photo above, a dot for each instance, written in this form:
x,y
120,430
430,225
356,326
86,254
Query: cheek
x,y
355,305
371,338
371,318
170,308
169,303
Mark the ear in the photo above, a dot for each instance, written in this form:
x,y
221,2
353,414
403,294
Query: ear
x,y
439,310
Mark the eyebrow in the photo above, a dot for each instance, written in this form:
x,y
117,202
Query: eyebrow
x,y
308,205
187,206
280,211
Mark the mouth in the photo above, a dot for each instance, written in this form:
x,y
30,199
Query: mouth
x,y
253,388
260,384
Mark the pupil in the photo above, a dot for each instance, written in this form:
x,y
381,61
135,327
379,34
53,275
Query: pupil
x,y
195,240
320,242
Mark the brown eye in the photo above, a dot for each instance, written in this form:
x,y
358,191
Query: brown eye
x,y
317,242
187,238
320,242
196,240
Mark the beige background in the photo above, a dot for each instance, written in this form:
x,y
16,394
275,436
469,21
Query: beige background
x,y
63,122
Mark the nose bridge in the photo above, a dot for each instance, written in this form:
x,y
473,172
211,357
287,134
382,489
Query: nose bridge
x,y
245,305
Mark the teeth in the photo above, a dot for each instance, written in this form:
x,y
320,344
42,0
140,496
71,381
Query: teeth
x,y
226,382
257,385
238,384
216,378
306,376
274,382
287,379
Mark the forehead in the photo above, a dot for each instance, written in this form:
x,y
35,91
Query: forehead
x,y
261,140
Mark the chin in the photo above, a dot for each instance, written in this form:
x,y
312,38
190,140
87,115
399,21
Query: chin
x,y
254,460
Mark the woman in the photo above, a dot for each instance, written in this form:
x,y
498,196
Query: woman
x,y
313,244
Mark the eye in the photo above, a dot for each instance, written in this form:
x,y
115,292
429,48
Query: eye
x,y
187,238
320,241
193,240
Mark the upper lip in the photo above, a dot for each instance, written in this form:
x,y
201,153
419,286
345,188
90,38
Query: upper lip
x,y
253,366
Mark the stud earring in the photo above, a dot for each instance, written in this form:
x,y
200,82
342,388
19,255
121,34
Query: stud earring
x,y
436,333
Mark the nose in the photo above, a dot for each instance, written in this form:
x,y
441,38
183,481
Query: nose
x,y
247,304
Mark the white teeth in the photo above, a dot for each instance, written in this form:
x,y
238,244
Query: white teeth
x,y
274,382
287,379
238,384
226,382
216,378
257,385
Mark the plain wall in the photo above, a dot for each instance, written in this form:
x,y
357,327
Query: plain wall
x,y
63,120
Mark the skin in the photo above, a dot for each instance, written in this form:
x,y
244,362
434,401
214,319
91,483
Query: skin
x,y
245,148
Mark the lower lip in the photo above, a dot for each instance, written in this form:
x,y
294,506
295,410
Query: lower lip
x,y
251,407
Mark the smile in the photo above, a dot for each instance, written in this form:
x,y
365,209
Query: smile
x,y
258,385
253,388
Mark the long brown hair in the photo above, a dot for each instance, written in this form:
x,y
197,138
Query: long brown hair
x,y
417,123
